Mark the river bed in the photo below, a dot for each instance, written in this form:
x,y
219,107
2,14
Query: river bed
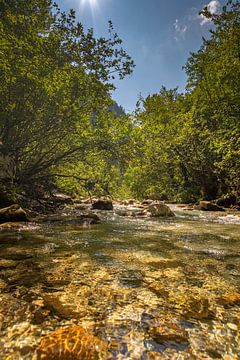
x,y
127,288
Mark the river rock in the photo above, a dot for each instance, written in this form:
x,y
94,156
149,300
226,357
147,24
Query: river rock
x,y
147,202
168,330
160,209
122,212
208,206
229,299
13,213
6,264
55,303
63,199
197,308
71,343
14,225
102,205
88,218
77,206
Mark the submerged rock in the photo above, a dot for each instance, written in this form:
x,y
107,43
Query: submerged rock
x,y
198,308
54,302
229,299
102,205
13,213
160,209
192,307
88,218
71,343
132,213
168,330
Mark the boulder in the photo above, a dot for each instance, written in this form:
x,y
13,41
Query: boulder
x,y
102,205
160,209
208,206
13,213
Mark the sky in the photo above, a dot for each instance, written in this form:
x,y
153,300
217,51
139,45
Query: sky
x,y
158,34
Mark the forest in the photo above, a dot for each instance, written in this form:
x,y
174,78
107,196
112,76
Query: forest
x,y
59,130
119,232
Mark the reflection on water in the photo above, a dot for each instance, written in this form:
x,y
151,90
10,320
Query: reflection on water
x,y
128,288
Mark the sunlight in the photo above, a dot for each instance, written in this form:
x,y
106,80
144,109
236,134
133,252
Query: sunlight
x,y
93,3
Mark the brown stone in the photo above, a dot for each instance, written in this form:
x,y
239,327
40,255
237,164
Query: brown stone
x,y
168,329
198,308
208,206
53,302
6,264
13,213
229,299
71,343
160,210
14,225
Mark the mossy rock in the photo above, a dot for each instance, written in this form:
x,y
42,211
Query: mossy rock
x,y
160,210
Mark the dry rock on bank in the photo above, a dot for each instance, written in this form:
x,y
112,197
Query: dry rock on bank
x,y
102,205
208,206
13,213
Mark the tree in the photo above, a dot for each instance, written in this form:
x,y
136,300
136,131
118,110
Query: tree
x,y
55,77
213,79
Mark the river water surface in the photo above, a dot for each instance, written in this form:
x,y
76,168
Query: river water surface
x,y
127,288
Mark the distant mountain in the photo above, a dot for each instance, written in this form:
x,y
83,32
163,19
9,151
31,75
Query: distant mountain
x,y
117,110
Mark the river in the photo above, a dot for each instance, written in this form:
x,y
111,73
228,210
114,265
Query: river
x,y
127,288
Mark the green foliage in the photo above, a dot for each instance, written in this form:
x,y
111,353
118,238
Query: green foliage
x,y
59,124
55,78
187,146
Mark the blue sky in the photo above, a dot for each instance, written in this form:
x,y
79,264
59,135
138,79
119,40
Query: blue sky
x,y
158,34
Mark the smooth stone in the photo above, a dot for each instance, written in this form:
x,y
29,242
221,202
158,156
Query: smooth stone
x,y
72,343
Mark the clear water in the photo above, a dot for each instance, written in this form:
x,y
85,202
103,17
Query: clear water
x,y
151,288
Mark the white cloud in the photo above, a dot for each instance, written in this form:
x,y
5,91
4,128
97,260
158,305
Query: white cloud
x,y
179,29
213,7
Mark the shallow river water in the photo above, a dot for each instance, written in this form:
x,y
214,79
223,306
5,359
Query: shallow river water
x,y
127,288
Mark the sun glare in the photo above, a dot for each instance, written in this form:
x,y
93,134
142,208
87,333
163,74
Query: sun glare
x,y
92,3
91,7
